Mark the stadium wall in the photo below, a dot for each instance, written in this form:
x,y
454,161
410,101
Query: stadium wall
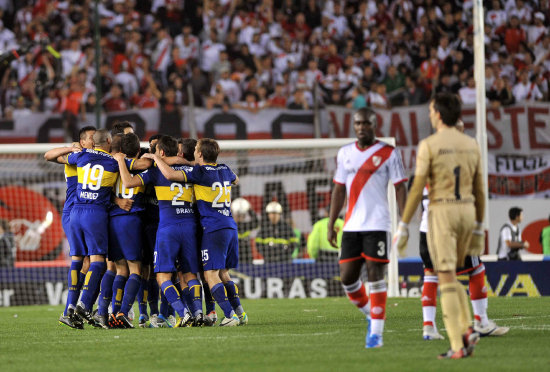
x,y
36,285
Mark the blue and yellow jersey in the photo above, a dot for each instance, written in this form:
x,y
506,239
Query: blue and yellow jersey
x,y
175,199
137,194
72,180
212,185
97,173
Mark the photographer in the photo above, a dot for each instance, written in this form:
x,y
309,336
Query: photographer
x,y
509,241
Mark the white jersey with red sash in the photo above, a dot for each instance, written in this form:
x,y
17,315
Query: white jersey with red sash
x,y
366,174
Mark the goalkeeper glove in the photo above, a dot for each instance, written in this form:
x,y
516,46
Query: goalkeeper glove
x,y
401,238
477,243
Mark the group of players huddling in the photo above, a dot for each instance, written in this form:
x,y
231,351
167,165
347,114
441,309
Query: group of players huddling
x,y
169,209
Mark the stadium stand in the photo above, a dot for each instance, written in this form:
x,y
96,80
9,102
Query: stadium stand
x,y
383,53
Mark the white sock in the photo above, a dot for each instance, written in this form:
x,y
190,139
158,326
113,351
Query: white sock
x,y
428,315
480,310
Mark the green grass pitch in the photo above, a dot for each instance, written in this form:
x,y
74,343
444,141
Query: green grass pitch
x,y
283,335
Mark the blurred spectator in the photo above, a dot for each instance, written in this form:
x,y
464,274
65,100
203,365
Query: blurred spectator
x,y
278,98
171,114
318,246
545,239
377,96
298,101
467,94
395,85
500,94
7,245
115,100
247,226
512,33
414,95
357,99
526,89
275,240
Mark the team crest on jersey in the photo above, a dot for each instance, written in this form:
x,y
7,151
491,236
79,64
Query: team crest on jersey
x,y
376,160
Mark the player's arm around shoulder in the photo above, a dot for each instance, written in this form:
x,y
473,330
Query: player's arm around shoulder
x,y
166,170
128,180
59,154
141,164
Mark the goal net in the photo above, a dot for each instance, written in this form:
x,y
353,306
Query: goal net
x,y
292,178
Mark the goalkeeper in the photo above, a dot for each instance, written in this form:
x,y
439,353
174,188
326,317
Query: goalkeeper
x,y
455,214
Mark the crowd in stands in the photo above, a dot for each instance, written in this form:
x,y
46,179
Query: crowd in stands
x,y
253,54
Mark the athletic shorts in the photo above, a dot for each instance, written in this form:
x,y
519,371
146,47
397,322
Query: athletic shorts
x,y
368,245
450,227
149,237
220,249
66,223
89,228
125,237
177,243
470,263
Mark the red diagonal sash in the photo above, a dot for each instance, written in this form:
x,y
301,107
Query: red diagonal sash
x,y
363,175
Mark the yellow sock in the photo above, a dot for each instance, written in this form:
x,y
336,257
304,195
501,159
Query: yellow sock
x,y
466,315
452,309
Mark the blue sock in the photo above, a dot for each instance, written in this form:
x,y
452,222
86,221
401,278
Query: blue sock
x,y
221,298
74,289
118,293
195,294
106,292
91,283
164,306
233,297
142,296
153,296
81,277
130,291
173,297
209,302
186,298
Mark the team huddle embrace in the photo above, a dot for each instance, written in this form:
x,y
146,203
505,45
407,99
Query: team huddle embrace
x,y
142,226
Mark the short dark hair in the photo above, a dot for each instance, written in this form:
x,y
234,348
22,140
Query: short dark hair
x,y
189,145
130,145
448,106
514,212
116,142
154,137
209,149
169,145
369,115
119,126
82,132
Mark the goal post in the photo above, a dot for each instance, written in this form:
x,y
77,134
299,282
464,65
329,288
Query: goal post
x,y
297,173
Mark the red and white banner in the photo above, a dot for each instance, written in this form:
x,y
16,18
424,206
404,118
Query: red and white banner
x,y
518,136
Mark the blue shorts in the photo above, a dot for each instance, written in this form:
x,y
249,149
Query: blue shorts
x,y
149,237
220,249
177,242
89,228
125,237
66,223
